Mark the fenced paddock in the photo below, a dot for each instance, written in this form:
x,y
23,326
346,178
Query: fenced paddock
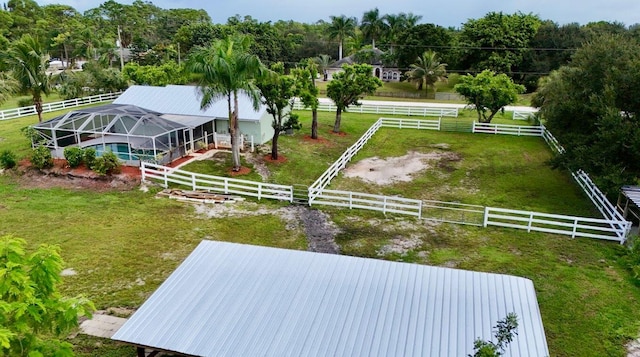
x,y
613,227
55,106
165,175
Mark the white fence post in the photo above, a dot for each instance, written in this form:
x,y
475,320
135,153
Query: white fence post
x,y
486,217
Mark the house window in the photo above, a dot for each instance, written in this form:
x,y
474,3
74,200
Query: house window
x,y
395,75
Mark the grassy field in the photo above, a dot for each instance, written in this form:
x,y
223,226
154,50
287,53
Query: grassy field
x,y
13,102
124,244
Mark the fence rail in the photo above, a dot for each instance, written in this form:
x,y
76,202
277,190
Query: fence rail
x,y
552,141
453,212
523,115
554,223
225,185
342,161
409,110
504,129
410,123
52,107
384,204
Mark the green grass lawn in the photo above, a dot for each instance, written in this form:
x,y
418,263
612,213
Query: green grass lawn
x,y
13,102
124,244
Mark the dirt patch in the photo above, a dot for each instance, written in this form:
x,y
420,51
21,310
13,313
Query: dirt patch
x,y
340,133
401,245
281,159
258,164
397,169
176,163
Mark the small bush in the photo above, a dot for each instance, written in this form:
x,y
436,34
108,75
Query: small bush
x,y
25,102
41,157
89,157
7,159
107,164
32,134
74,155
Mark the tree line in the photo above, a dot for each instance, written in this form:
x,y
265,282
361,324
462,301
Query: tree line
x,y
523,46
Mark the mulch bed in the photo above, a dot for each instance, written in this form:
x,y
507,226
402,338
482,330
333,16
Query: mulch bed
x,y
281,159
243,171
319,140
342,133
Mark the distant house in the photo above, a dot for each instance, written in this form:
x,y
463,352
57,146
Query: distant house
x,y
158,124
374,58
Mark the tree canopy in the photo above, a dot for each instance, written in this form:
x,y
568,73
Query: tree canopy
x,y
488,92
348,86
592,108
34,316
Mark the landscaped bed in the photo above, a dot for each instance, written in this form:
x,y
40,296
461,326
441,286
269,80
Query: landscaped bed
x,y
123,244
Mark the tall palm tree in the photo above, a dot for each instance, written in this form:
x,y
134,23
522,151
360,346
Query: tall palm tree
x,y
427,71
341,27
372,25
395,25
28,62
411,19
226,69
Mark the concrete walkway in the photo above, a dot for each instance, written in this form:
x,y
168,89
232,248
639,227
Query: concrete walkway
x,y
102,325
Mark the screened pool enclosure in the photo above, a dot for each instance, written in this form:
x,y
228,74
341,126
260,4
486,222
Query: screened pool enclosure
x,y
131,132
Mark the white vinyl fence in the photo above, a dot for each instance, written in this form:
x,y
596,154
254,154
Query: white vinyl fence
x,y
341,163
552,141
505,129
395,109
52,107
384,204
165,175
523,115
554,223
410,123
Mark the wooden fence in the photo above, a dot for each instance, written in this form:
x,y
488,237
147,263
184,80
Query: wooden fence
x,y
165,175
554,223
52,107
409,110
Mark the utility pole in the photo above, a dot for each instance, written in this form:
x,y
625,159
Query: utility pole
x,y
121,50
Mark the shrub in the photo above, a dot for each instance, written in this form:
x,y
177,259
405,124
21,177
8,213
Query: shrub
x,y
107,164
41,157
74,155
89,157
25,102
7,159
32,134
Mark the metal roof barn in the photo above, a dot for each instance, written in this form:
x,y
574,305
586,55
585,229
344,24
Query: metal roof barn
x,y
230,299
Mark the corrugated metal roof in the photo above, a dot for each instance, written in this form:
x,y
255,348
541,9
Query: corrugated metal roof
x,y
184,100
632,193
231,299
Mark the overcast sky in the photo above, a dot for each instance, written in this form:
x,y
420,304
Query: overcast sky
x,y
445,13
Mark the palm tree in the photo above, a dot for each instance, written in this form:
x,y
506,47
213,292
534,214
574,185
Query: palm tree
x,y
427,71
341,27
8,87
372,25
411,19
28,62
226,70
322,62
395,25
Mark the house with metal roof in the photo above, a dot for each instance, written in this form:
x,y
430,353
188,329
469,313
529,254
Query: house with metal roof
x,y
181,103
230,299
